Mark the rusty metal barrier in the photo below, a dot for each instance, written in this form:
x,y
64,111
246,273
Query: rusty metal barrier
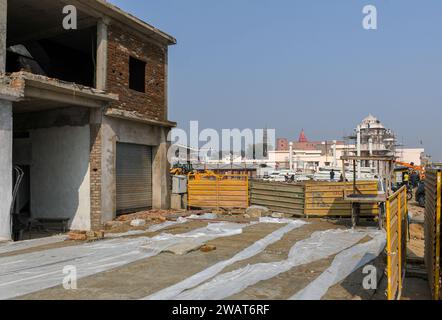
x,y
280,197
210,190
397,230
433,190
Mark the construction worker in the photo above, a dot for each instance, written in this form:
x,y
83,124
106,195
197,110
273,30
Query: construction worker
x,y
406,179
414,179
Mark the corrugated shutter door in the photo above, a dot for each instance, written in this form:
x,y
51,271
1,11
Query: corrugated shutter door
x,y
134,177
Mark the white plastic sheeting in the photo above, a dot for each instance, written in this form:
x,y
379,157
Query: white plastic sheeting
x,y
259,246
124,234
206,216
154,228
275,220
29,244
198,236
31,272
167,224
343,265
319,246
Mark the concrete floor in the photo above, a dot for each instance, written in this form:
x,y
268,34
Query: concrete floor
x,y
145,277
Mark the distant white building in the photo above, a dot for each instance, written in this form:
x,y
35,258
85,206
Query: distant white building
x,y
371,135
374,139
411,155
307,156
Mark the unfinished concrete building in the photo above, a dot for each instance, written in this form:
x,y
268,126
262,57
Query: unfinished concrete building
x,y
83,114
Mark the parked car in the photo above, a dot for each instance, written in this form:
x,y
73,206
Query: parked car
x,y
420,194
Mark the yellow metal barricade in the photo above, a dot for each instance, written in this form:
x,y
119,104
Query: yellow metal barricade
x,y
210,190
397,230
433,190
327,198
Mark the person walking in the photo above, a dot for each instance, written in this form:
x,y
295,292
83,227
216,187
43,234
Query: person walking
x,y
332,175
406,179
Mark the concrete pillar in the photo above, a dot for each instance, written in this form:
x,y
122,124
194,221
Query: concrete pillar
x,y
370,150
102,42
335,158
358,148
291,155
108,178
3,29
5,169
161,173
96,119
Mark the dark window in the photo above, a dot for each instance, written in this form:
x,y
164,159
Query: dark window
x,y
137,75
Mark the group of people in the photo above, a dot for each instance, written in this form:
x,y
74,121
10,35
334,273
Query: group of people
x,y
289,178
333,175
411,179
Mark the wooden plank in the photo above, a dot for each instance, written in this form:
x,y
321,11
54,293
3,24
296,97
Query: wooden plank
x,y
277,199
329,196
229,191
278,187
277,193
271,204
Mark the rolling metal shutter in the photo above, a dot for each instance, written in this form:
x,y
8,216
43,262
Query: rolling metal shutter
x,y
134,178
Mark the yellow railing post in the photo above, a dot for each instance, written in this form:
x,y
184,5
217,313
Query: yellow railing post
x,y
399,243
437,295
389,291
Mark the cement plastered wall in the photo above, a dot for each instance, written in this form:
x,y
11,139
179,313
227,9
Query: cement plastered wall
x,y
125,131
60,174
5,168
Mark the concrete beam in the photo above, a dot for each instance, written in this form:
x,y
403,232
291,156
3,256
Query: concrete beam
x,y
3,33
49,95
136,117
102,42
101,8
5,169
40,34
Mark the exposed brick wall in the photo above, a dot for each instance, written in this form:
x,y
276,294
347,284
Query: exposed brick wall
x,y
95,176
121,45
282,144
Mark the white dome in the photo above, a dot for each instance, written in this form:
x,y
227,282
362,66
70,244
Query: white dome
x,y
371,122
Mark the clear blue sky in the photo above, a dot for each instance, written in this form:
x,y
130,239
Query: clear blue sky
x,y
292,64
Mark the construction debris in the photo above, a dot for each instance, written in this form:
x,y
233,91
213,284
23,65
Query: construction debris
x,y
113,225
206,216
258,212
77,235
152,215
138,223
207,248
86,235
183,248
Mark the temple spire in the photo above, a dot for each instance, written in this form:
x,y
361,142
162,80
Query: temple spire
x,y
302,137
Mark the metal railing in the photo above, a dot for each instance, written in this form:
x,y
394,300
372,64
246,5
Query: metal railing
x,y
396,227
433,190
